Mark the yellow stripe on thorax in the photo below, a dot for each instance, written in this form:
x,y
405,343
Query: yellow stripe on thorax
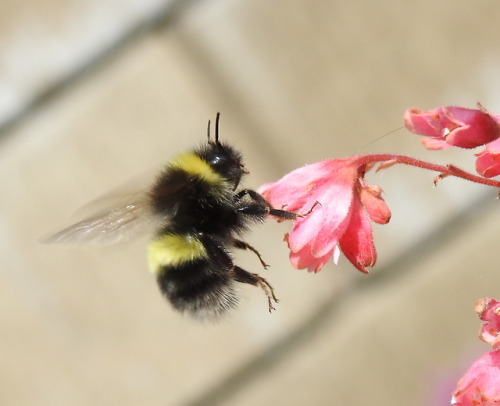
x,y
191,163
170,250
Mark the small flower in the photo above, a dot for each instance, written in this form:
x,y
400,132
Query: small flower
x,y
488,161
341,221
488,310
480,386
453,126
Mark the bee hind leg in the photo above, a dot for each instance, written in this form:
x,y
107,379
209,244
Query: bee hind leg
x,y
243,276
242,245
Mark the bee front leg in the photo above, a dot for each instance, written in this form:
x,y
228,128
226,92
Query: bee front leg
x,y
260,206
253,195
243,276
264,209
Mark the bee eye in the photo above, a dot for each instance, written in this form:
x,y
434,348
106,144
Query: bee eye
x,y
217,160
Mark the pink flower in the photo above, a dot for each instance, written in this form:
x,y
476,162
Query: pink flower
x,y
480,386
453,126
488,161
488,310
481,383
341,221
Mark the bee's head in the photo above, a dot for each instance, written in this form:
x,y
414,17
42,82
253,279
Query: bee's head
x,y
224,159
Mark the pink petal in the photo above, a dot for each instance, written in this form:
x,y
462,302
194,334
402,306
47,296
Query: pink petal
x,y
473,127
488,310
338,203
480,386
374,204
493,147
304,259
488,165
434,144
296,190
305,230
357,241
424,122
488,161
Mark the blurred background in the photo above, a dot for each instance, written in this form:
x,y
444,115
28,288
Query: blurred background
x,y
98,94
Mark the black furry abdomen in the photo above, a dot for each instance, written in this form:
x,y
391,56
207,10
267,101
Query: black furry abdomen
x,y
203,288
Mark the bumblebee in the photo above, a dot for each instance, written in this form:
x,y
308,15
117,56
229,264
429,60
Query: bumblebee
x,y
198,216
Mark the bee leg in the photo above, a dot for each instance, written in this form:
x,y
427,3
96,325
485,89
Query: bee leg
x,y
243,276
245,246
258,207
290,215
252,193
316,203
262,207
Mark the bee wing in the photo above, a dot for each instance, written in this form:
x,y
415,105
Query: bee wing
x,y
131,216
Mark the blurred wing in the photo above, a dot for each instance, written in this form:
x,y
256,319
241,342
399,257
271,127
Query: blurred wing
x,y
128,218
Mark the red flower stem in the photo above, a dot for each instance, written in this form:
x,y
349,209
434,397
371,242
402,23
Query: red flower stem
x,y
446,170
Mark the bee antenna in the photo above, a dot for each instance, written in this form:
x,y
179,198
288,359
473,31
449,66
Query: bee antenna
x,y
217,119
208,131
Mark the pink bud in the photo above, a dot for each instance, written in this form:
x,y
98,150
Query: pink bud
x,y
452,126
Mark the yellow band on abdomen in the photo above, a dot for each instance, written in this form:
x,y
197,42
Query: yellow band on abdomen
x,y
170,250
